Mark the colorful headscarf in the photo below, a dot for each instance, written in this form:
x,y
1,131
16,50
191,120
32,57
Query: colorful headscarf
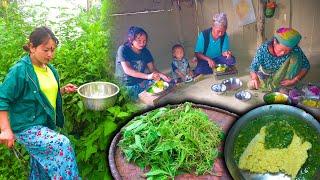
x,y
288,37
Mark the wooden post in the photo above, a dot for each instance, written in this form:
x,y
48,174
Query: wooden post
x,y
88,5
290,14
178,16
260,23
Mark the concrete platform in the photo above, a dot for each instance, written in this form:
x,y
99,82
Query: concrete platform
x,y
200,92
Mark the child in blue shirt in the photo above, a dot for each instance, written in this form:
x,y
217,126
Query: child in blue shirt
x,y
180,66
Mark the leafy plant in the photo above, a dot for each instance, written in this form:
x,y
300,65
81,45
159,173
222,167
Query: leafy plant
x,y
84,55
14,163
12,37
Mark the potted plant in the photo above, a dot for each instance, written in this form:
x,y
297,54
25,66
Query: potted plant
x,y
270,8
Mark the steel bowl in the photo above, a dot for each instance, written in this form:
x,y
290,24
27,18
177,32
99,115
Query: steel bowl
x,y
188,79
274,109
98,96
232,83
243,95
218,88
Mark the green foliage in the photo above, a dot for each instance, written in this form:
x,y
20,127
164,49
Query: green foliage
x,y
12,37
172,141
83,55
85,58
14,164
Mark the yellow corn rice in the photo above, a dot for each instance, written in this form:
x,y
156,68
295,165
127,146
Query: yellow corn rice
x,y
288,160
280,99
311,103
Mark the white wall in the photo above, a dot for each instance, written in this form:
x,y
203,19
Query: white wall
x,y
160,26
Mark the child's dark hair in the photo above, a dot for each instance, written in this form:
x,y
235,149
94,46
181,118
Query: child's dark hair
x,y
39,36
133,32
176,46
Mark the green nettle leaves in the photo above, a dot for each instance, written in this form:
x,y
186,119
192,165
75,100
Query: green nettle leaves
x,y
12,37
171,141
83,55
13,165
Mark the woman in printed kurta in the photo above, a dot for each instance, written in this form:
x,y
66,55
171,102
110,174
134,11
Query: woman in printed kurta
x,y
279,62
31,108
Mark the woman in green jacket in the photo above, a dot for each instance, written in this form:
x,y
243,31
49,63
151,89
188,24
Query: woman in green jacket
x,y
31,107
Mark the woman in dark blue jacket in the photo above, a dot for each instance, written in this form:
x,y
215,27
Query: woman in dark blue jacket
x,y
31,107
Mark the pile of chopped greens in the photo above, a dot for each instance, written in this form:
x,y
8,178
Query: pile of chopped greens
x,y
279,134
171,141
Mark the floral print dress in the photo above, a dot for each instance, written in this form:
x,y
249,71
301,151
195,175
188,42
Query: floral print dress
x,y
52,156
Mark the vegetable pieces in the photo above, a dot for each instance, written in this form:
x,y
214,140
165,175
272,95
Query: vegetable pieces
x,y
313,103
275,97
221,68
172,141
158,87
